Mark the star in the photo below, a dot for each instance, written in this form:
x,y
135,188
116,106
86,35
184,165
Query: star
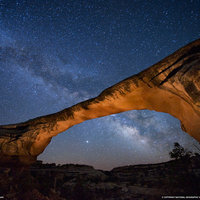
x,y
54,54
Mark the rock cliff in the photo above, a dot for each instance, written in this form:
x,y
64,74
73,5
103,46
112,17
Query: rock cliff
x,y
81,182
171,85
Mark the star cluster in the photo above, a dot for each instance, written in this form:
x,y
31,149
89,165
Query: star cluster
x,y
55,53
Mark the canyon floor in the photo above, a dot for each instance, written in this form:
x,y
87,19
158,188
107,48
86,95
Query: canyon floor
x,y
81,182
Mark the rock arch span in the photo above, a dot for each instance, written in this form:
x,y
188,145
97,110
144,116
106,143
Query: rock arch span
x,y
171,86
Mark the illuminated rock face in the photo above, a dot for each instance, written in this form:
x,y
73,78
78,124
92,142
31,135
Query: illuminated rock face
x,y
172,86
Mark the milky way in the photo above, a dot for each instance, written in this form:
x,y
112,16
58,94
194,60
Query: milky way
x,y
54,54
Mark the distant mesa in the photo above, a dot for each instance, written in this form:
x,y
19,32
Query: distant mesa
x,y
69,181
171,86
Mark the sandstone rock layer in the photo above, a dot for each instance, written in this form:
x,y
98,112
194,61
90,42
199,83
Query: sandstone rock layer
x,y
171,85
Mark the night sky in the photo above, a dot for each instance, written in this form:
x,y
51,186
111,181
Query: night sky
x,y
54,54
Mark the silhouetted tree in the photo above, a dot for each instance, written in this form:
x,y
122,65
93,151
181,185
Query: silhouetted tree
x,y
184,175
179,152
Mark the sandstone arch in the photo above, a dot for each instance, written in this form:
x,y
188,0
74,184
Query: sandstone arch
x,y
171,85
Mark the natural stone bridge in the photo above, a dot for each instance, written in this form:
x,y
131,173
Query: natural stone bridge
x,y
171,86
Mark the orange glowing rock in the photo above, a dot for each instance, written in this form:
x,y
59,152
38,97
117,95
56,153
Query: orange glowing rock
x,y
171,85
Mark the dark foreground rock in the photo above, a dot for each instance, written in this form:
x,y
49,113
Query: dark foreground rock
x,y
81,182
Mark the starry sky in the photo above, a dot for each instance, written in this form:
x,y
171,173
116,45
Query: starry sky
x,y
56,53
